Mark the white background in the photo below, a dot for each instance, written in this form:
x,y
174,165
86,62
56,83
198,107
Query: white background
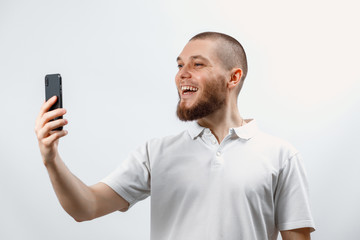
x,y
117,60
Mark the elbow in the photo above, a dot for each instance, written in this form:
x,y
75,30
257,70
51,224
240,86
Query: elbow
x,y
82,218
82,211
79,219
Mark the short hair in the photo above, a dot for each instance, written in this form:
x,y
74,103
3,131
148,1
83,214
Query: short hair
x,y
231,53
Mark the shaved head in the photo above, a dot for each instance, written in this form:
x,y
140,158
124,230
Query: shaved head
x,y
229,50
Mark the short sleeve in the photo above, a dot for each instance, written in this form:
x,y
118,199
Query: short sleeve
x,y
131,180
292,207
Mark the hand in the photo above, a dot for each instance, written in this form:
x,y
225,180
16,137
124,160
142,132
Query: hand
x,y
47,137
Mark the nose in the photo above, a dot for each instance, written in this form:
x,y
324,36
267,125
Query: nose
x,y
184,72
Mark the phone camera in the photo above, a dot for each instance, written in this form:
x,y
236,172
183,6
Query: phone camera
x,y
46,82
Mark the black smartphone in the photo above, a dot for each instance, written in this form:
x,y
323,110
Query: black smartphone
x,y
53,88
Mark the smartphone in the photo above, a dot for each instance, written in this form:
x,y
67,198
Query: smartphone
x,y
53,88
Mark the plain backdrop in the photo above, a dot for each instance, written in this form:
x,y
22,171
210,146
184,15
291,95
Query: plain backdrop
x,y
118,62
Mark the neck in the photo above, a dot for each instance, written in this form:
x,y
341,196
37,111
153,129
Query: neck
x,y
222,120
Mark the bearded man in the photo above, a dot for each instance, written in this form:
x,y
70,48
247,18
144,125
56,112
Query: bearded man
x,y
223,178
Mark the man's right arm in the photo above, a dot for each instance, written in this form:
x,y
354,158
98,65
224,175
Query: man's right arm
x,y
79,200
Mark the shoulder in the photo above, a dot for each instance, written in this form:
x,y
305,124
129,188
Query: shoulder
x,y
261,141
169,140
276,143
276,148
161,145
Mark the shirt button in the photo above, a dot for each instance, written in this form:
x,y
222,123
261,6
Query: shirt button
x,y
213,141
218,153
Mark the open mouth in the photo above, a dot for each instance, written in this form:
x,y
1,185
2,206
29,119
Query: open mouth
x,y
188,90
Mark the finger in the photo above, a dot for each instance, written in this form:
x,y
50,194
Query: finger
x,y
51,115
47,117
55,135
45,131
46,106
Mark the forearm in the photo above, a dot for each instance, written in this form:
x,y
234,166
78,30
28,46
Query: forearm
x,y
75,197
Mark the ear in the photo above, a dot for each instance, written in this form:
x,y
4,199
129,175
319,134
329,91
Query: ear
x,y
236,75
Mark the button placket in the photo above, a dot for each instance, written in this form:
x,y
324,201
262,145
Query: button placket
x,y
213,140
219,160
209,138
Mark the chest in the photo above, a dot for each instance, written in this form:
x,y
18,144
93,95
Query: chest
x,y
234,171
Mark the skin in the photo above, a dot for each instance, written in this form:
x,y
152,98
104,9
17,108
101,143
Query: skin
x,y
197,72
80,201
296,234
211,98
198,64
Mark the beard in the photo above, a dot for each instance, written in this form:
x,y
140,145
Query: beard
x,y
212,99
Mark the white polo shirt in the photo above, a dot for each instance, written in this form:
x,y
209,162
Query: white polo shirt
x,y
248,187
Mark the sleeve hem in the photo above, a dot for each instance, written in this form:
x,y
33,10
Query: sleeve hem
x,y
295,225
119,190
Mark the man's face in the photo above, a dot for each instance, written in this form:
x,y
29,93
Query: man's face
x,y
200,81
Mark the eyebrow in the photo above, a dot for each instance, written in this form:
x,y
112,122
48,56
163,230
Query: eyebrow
x,y
193,57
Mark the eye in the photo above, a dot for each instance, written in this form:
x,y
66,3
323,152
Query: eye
x,y
180,66
198,64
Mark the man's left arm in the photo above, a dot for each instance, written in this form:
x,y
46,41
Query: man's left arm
x,y
293,215
296,234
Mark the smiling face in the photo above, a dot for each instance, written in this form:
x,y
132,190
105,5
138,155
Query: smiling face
x,y
200,81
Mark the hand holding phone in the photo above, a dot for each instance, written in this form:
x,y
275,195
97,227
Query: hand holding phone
x,y
50,118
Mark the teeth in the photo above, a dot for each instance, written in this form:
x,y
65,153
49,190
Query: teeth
x,y
183,88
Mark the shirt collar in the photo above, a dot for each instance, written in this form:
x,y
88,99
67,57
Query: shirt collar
x,y
246,131
195,129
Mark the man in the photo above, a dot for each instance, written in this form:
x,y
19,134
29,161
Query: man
x,y
222,178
